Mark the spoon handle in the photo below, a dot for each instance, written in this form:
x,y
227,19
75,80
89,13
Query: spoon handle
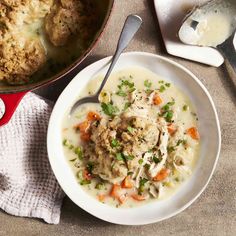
x,y
228,51
131,26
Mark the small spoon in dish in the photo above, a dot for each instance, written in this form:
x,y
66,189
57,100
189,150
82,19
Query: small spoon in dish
x,y
131,26
212,24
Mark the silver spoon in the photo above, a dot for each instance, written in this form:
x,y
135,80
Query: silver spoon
x,y
212,24
131,26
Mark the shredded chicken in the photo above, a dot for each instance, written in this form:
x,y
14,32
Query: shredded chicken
x,y
136,135
162,149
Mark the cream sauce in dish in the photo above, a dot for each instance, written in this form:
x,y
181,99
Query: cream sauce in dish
x,y
214,30
143,175
209,24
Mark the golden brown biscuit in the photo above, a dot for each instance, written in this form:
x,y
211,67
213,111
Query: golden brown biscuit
x,y
20,59
68,18
21,53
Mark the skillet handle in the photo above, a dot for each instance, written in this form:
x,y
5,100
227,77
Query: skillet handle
x,y
11,102
228,51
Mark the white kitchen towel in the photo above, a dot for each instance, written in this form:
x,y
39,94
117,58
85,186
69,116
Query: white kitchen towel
x,y
27,185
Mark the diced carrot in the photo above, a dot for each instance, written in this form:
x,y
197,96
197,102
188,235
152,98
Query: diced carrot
x,y
171,129
85,136
115,191
157,99
127,182
122,198
92,116
101,197
193,133
83,126
87,175
161,175
138,197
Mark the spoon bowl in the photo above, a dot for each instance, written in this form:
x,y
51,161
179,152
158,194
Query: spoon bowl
x,y
131,26
210,24
213,25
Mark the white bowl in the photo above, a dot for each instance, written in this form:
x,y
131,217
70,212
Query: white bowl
x,y
209,129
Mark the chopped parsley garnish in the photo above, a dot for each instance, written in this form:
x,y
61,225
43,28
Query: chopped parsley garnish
x,y
125,87
132,89
147,166
90,167
162,88
121,93
170,149
127,105
79,174
185,107
167,113
71,147
130,129
168,116
130,173
183,141
129,157
114,143
156,159
78,151
177,179
119,157
85,182
112,165
147,83
109,109
65,142
140,161
172,102
148,91
126,83
99,186
166,107
142,183
164,85
72,160
179,142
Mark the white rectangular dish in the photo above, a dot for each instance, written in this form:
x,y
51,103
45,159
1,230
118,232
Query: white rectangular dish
x,y
170,15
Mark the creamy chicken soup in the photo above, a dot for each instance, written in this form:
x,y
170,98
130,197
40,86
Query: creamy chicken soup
x,y
139,144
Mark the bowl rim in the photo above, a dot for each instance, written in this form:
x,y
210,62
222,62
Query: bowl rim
x,y
218,130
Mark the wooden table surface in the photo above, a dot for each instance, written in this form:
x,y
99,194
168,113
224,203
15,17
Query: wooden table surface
x,y
214,212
